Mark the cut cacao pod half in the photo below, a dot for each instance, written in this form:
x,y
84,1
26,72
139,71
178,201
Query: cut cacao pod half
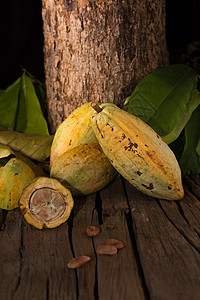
x,y
46,203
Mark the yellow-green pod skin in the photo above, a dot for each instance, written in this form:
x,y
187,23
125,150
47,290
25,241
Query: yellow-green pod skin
x,y
83,169
73,131
138,153
14,176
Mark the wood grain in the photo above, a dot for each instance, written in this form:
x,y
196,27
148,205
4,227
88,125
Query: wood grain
x,y
33,263
160,260
170,264
83,245
118,276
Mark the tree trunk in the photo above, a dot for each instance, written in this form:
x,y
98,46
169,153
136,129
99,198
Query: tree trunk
x,y
99,50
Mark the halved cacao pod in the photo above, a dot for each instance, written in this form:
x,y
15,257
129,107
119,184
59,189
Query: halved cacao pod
x,y
45,202
84,169
73,131
138,153
14,176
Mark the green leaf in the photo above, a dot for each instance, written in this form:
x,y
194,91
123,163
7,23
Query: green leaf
x,y
8,105
198,149
191,105
5,151
178,145
192,47
30,118
190,158
163,99
198,152
34,146
6,154
41,94
40,90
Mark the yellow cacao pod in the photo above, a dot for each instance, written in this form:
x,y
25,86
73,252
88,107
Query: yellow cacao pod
x,y
83,169
14,176
138,153
46,203
76,129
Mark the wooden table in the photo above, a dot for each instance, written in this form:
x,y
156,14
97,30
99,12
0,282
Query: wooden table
x,y
161,259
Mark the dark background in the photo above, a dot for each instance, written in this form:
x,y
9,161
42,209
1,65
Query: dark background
x,y
22,35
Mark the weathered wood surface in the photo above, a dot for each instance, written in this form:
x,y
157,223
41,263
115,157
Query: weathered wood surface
x,y
161,259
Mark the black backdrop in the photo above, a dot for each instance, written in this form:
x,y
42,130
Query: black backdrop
x,y
22,36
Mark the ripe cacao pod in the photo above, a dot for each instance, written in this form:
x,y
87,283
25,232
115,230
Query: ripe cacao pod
x,y
45,202
83,169
138,153
73,131
14,176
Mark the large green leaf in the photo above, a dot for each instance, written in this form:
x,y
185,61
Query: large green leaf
x,y
163,99
40,90
190,158
191,105
20,109
198,151
29,117
8,105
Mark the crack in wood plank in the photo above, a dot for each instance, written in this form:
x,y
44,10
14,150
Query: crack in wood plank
x,y
119,276
180,214
84,210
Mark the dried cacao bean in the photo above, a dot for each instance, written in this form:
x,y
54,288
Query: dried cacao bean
x,y
92,231
117,243
106,250
78,262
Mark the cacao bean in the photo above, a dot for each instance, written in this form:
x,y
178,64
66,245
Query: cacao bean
x,y
92,231
117,243
106,250
78,262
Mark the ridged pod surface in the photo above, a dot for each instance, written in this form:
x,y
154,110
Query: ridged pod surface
x,y
73,131
14,176
138,153
83,169
46,203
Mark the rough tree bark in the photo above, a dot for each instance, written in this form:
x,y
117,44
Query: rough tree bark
x,y
99,50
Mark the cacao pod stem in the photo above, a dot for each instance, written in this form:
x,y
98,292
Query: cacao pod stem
x,y
96,107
